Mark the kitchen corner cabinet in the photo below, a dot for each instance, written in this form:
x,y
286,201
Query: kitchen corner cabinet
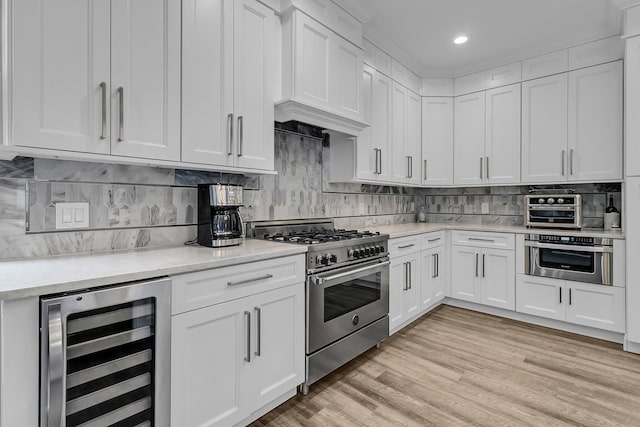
x,y
237,340
572,126
228,66
483,273
586,304
437,141
97,76
487,137
406,135
433,276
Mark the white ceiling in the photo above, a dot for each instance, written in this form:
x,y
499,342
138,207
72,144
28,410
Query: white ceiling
x,y
420,33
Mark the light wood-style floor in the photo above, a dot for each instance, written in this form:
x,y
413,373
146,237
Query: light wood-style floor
x,y
458,367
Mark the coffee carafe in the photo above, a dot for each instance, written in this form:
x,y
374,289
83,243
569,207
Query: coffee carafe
x,y
219,221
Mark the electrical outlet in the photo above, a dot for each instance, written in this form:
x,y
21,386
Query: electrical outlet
x,y
485,208
72,215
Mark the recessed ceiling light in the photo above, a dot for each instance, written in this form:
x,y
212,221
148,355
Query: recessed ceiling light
x,y
460,39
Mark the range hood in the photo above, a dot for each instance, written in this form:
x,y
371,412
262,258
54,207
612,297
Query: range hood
x,y
288,109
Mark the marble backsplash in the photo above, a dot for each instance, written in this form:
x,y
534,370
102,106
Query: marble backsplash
x,y
506,207
142,207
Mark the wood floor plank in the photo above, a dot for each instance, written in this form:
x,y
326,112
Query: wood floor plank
x,y
456,367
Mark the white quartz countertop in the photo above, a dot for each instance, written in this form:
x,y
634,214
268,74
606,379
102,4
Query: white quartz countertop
x,y
402,230
41,276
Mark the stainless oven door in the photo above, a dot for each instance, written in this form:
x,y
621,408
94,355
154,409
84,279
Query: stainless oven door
x,y
344,300
590,264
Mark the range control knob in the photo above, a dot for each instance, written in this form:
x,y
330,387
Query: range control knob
x,y
551,200
357,253
351,253
332,258
367,251
560,201
322,259
541,200
381,249
376,249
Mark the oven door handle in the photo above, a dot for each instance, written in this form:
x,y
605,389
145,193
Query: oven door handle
x,y
574,248
321,280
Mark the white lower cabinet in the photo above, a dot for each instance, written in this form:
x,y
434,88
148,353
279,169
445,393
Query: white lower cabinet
x,y
404,289
483,275
433,277
585,304
233,357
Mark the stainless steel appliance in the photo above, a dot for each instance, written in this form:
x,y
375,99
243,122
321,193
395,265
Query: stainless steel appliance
x,y
577,258
347,290
219,221
553,210
105,357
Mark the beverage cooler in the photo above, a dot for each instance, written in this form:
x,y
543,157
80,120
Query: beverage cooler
x,y
105,357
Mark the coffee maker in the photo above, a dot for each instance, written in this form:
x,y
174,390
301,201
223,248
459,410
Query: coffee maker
x,y
219,222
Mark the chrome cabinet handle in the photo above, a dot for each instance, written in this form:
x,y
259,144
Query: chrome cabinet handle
x,y
483,255
55,367
481,170
571,161
258,311
477,239
410,279
247,315
569,296
407,246
433,240
229,134
321,280
433,273
378,161
487,167
121,117
404,287
103,88
255,279
425,170
240,135
563,154
560,294
408,166
477,264
437,265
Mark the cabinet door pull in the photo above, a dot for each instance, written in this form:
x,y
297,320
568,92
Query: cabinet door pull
x,y
405,286
258,311
571,161
55,361
121,116
481,171
425,169
247,315
410,279
477,264
379,161
487,167
560,294
433,273
376,171
255,279
433,240
103,89
563,154
240,135
476,239
407,246
569,296
483,255
408,166
229,134
437,265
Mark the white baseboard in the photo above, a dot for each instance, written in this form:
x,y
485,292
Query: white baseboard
x,y
632,347
540,321
268,407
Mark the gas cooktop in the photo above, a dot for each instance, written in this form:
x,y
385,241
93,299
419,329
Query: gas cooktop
x,y
314,237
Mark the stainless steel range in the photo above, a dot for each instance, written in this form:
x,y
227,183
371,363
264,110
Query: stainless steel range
x,y
347,290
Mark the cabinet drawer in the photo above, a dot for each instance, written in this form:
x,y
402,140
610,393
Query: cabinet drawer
x,y
204,288
484,240
432,240
404,245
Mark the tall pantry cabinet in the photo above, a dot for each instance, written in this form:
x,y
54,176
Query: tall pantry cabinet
x,y
97,76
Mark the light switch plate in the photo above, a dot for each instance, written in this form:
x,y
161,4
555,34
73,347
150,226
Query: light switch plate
x,y
72,215
485,208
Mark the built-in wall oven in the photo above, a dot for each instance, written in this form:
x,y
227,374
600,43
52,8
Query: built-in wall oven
x,y
105,357
577,258
553,211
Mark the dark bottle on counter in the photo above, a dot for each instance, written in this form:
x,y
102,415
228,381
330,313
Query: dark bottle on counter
x,y
611,208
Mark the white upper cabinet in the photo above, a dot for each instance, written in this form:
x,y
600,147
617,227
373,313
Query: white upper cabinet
x,y
469,134
346,76
595,123
145,79
572,126
228,83
544,129
405,135
413,143
632,106
502,138
61,80
437,141
97,77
